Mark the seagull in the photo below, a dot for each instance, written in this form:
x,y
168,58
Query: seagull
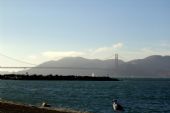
x,y
44,104
117,106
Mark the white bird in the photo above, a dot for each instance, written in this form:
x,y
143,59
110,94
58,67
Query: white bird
x,y
44,104
117,106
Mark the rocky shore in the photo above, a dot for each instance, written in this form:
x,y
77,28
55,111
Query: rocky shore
x,y
10,107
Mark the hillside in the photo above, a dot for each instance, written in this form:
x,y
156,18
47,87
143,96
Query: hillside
x,y
152,66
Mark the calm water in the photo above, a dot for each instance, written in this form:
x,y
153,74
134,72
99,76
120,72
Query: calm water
x,y
136,95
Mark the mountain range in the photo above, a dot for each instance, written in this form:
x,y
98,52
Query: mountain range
x,y
152,66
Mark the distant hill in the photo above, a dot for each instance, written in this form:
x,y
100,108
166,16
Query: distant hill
x,y
76,66
152,66
156,66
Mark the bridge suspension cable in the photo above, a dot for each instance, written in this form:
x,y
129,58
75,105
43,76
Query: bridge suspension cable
x,y
17,60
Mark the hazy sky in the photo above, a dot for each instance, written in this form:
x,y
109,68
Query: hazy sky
x,y
39,30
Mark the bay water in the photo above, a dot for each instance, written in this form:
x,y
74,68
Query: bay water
x,y
135,95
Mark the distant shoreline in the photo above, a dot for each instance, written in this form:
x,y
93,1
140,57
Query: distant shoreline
x,y
54,77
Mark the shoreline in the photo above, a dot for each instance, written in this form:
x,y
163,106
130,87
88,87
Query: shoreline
x,y
12,107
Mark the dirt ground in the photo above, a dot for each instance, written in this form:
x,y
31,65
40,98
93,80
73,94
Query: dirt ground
x,y
7,107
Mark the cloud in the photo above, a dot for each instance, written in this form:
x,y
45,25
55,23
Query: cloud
x,y
32,57
155,51
147,50
106,52
99,53
60,54
118,45
102,49
109,49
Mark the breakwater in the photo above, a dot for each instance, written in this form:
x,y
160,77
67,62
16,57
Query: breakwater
x,y
54,77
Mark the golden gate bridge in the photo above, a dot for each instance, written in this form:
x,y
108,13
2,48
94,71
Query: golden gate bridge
x,y
46,67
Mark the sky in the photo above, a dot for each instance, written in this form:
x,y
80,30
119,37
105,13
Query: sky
x,y
36,31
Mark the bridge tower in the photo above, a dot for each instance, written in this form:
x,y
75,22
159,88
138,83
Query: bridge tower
x,y
116,61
